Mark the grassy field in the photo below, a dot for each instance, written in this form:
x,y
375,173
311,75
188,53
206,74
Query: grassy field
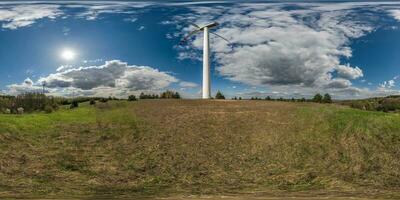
x,y
174,148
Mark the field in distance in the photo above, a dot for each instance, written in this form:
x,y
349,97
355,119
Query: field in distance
x,y
180,148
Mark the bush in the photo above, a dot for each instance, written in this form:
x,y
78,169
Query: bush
x,y
219,95
7,111
389,104
327,98
317,98
48,109
132,98
103,100
92,102
74,104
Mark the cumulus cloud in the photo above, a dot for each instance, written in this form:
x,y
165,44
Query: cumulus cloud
x,y
114,78
339,83
26,86
345,71
13,17
387,84
272,46
112,74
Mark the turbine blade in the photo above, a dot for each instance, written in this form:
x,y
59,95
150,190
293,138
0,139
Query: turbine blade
x,y
187,37
193,24
220,37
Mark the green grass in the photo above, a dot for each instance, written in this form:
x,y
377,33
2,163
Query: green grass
x,y
39,122
173,147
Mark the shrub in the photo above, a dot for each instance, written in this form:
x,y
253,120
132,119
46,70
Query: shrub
x,y
20,110
219,95
389,104
103,100
327,98
74,104
7,111
132,98
317,98
48,109
92,102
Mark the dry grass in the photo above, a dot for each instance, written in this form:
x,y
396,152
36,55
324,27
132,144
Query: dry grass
x,y
182,147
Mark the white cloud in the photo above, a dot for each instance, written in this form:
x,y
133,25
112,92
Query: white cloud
x,y
131,19
63,67
66,30
112,74
345,71
339,83
13,17
395,14
95,9
114,78
186,84
275,47
141,28
387,84
26,86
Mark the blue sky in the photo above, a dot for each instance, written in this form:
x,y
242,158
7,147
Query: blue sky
x,y
292,49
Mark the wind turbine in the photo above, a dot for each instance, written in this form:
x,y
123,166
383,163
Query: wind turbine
x,y
206,53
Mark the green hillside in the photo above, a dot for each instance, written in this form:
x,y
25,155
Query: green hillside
x,y
184,147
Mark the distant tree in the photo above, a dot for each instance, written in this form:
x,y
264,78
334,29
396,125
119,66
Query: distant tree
x,y
317,98
177,95
293,99
170,95
110,98
142,96
74,104
234,98
219,95
327,98
132,98
303,99
92,102
240,98
103,100
268,98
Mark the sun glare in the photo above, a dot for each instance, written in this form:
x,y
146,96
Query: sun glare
x,y
68,54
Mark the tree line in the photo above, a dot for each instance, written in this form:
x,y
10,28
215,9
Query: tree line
x,y
169,94
386,104
318,98
28,102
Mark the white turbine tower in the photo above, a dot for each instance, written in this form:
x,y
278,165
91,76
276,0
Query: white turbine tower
x,y
206,54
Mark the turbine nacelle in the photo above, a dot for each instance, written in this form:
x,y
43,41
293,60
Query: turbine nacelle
x,y
210,25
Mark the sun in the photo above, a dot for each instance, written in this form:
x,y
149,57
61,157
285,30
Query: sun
x,y
68,54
